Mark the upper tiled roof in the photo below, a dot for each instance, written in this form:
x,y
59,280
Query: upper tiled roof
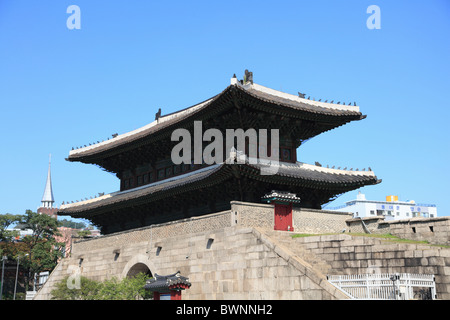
x,y
281,101
297,102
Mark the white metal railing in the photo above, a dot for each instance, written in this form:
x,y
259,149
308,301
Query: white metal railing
x,y
384,286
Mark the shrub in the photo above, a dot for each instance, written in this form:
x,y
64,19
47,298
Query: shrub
x,y
111,289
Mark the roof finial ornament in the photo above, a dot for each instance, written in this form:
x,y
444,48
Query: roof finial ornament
x,y
158,114
248,77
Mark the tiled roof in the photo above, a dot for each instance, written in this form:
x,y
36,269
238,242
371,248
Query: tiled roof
x,y
163,284
283,102
281,195
298,173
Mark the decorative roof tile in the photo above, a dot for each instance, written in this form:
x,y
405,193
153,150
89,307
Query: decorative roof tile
x,y
281,196
163,284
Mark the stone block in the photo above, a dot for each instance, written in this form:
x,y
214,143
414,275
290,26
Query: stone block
x,y
347,249
298,265
312,245
330,250
438,261
329,238
282,252
396,262
337,265
430,252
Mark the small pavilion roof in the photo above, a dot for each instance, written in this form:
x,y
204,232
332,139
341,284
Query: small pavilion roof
x,y
282,196
164,284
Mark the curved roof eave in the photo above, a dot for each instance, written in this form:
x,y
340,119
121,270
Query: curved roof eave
x,y
304,173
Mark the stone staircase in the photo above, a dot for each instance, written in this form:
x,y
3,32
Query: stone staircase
x,y
299,248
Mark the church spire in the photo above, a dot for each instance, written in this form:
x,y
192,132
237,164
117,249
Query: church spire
x,y
47,199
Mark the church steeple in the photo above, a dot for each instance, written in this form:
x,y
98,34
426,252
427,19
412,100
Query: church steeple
x,y
48,199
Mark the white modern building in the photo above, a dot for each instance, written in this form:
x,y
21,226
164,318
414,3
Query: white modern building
x,y
391,209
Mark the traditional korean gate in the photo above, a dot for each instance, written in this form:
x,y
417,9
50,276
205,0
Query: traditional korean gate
x,y
282,201
283,217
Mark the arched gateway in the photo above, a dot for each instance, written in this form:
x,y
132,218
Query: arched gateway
x,y
138,268
137,264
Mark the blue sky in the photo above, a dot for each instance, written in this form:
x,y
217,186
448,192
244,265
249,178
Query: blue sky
x,y
62,88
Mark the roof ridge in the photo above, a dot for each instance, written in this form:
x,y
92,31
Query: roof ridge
x,y
289,96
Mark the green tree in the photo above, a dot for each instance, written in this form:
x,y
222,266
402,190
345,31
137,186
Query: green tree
x,y
84,233
88,290
127,289
72,224
7,220
112,289
7,235
41,246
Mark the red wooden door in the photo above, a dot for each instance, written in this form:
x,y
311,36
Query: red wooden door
x,y
283,217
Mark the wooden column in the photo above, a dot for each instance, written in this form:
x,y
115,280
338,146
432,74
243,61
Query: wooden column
x,y
175,294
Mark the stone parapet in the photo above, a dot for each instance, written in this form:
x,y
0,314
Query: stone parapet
x,y
433,230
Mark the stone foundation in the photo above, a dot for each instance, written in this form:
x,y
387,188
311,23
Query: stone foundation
x,y
229,263
236,254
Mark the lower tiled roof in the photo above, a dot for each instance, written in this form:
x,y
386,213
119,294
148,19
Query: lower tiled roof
x,y
294,173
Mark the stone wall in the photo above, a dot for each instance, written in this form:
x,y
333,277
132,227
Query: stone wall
x,y
304,220
252,214
433,230
367,225
227,263
319,221
148,234
227,255
360,255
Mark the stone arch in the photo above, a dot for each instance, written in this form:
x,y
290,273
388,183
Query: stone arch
x,y
138,263
138,268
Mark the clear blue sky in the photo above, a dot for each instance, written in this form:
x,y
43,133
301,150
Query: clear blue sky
x,y
61,88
